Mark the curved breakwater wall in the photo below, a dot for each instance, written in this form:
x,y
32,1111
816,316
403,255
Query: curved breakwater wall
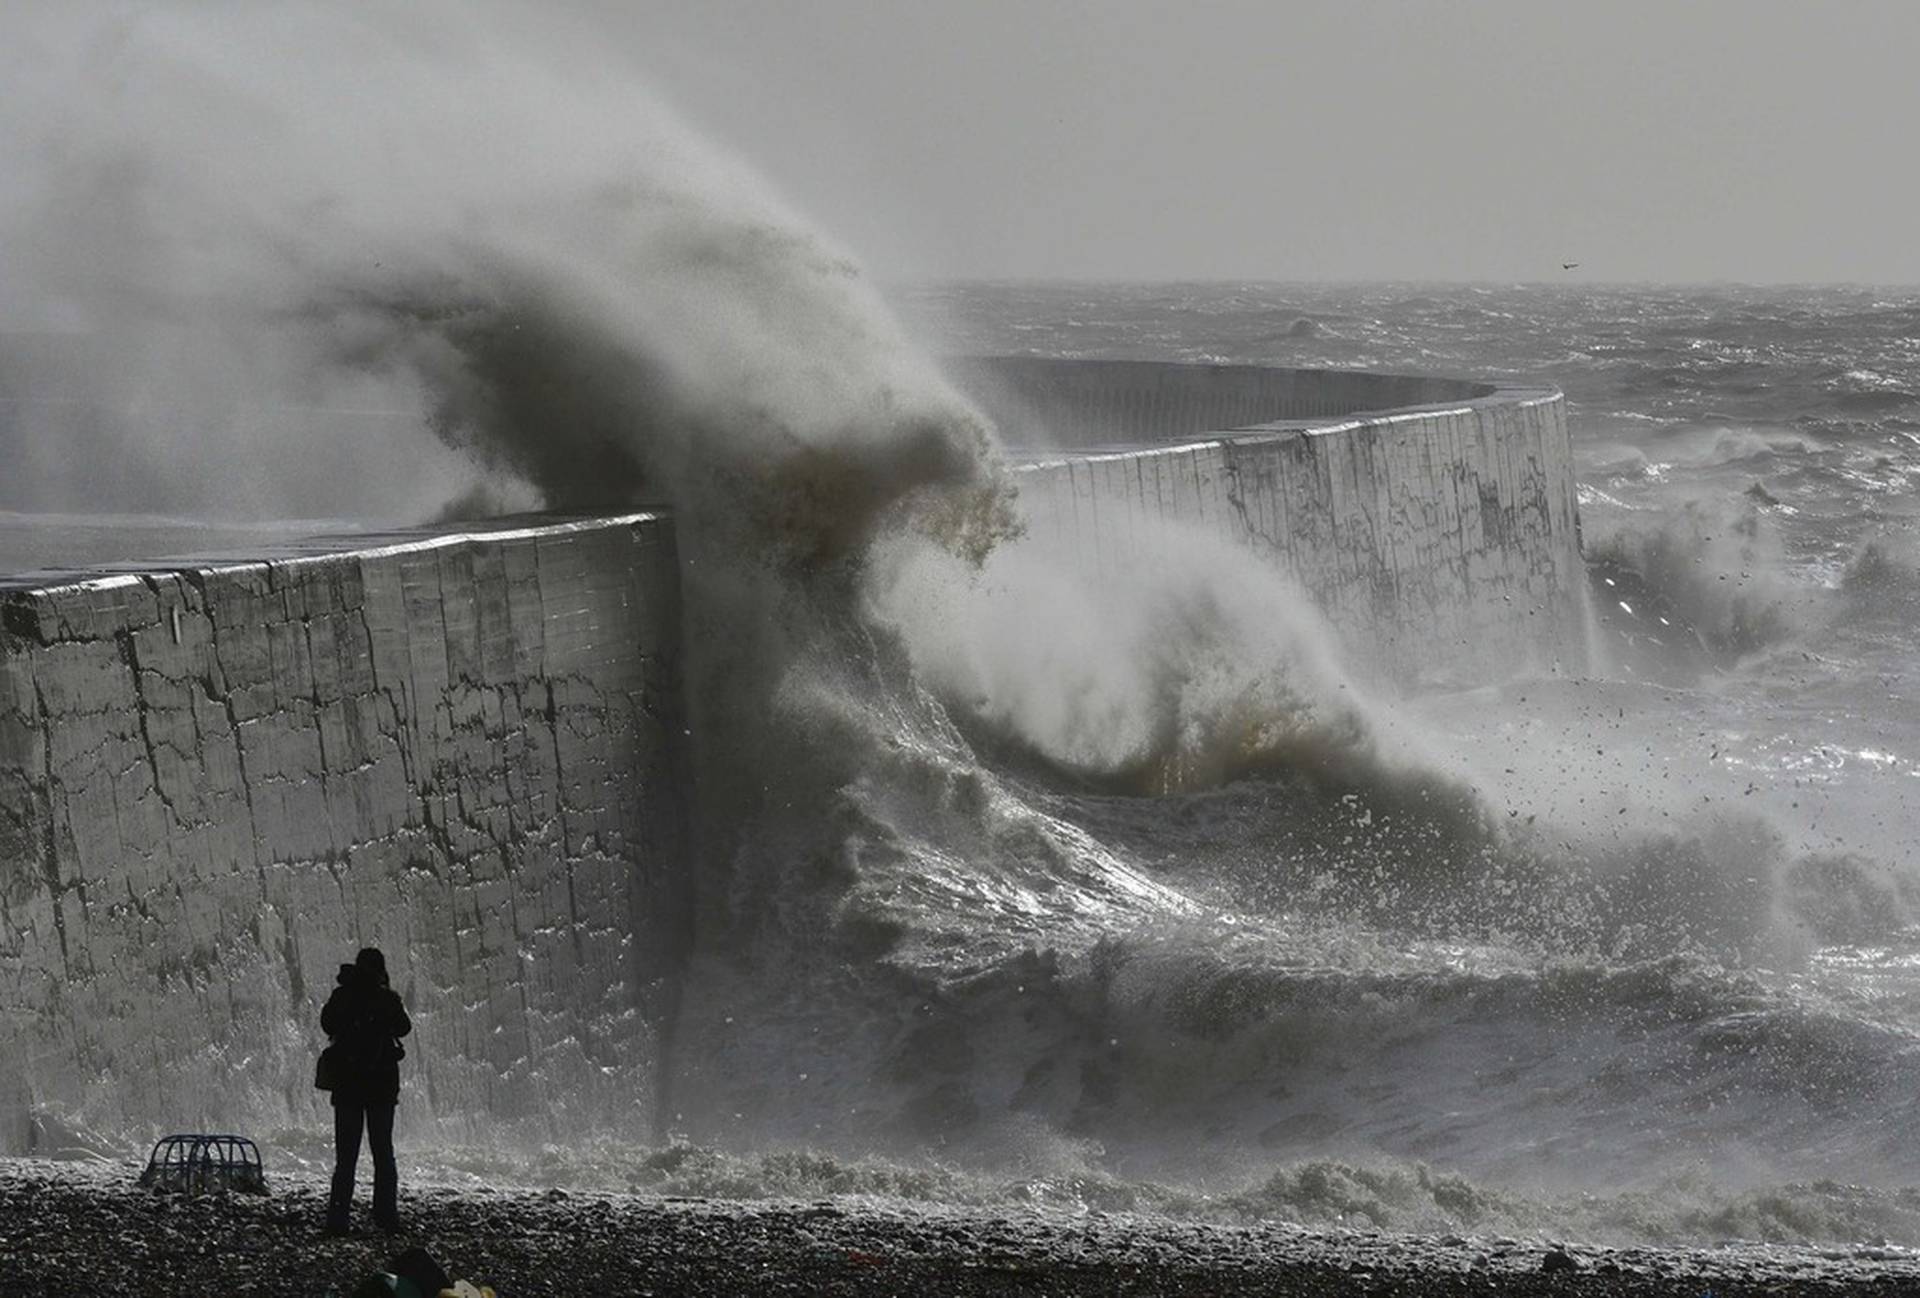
x,y
1434,520
218,778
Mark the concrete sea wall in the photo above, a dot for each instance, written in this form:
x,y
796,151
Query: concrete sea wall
x,y
217,780
1433,520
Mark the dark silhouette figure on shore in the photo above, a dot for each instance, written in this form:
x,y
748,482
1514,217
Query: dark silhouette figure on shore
x,y
366,1020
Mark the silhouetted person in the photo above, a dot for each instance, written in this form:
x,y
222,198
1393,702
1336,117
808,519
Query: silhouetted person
x,y
366,1020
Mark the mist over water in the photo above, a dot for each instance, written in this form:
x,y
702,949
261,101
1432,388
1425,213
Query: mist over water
x,y
1019,883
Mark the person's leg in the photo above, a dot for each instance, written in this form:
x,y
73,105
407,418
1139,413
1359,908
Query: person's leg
x,y
386,1172
347,1119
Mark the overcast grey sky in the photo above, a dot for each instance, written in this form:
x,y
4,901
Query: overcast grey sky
x,y
1753,141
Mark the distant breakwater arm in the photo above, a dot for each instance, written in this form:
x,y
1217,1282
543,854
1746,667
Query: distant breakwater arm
x,y
1434,520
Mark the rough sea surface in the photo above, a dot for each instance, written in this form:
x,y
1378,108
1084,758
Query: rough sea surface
x,y
1027,895
1625,955
1654,977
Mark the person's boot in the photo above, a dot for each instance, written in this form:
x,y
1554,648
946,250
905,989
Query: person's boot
x,y
339,1215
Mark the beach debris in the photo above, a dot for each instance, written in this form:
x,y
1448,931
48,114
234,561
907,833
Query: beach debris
x,y
385,1284
417,1267
194,1163
414,1274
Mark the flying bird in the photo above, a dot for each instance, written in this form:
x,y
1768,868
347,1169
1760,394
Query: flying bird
x,y
1568,265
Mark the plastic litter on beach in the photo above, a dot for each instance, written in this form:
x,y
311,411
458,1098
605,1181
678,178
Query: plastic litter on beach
x,y
414,1274
417,1267
385,1284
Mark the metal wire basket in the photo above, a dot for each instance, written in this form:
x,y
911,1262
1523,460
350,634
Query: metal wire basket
x,y
201,1164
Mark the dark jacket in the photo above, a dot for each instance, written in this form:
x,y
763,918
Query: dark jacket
x,y
366,1020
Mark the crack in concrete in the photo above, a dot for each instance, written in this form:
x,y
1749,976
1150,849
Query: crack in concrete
x,y
503,804
129,654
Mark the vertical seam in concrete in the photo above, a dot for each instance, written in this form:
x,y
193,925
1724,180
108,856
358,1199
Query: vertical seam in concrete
x,y
50,841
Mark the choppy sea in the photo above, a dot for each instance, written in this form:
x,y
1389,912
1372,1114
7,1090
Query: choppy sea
x,y
1666,983
1631,953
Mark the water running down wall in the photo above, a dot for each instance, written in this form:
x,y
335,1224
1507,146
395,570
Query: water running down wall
x,y
218,778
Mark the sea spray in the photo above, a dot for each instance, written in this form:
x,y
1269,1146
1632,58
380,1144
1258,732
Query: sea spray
x,y
1631,820
500,234
501,244
940,916
1198,665
631,320
1701,585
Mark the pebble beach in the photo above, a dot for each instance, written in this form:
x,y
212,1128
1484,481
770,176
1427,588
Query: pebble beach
x,y
88,1228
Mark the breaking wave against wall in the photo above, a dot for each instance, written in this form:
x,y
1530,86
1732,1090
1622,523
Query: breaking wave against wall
x,y
1002,779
